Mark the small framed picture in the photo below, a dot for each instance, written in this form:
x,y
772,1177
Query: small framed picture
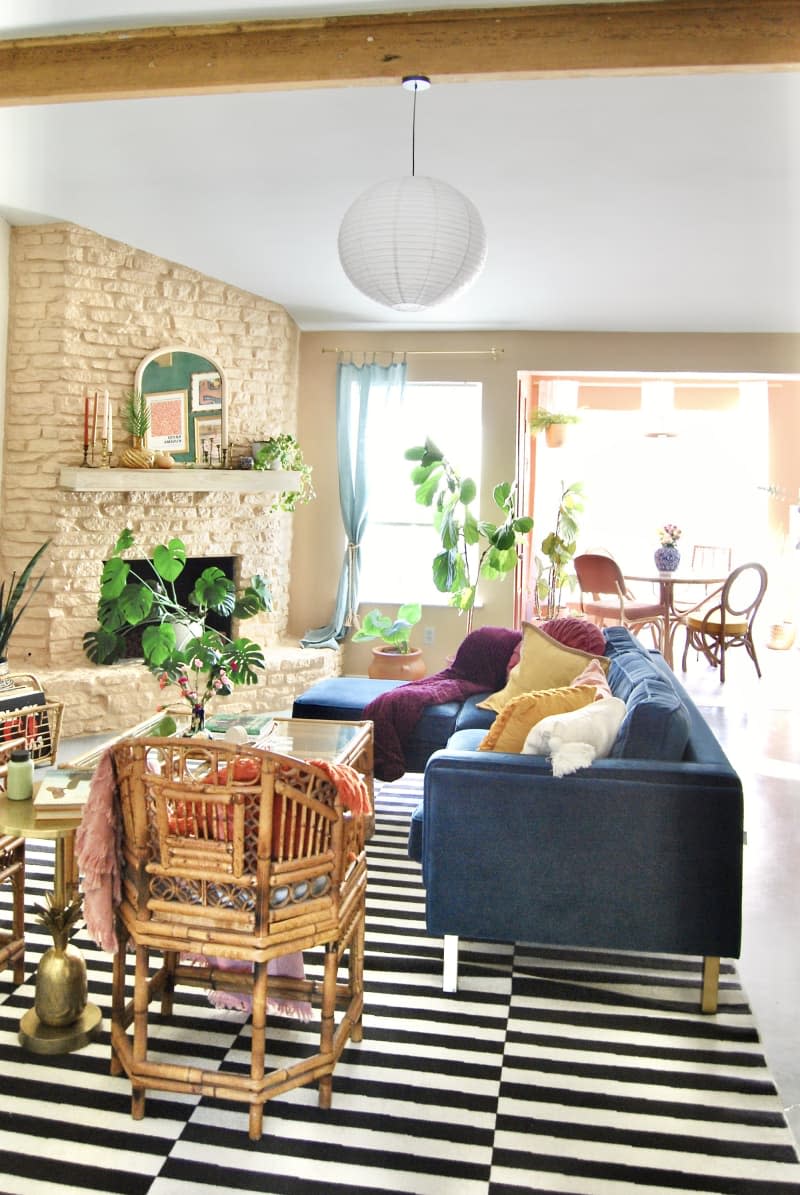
x,y
169,422
206,392
208,439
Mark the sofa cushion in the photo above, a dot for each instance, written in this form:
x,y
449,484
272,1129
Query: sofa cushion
x,y
656,725
472,714
573,740
340,698
508,731
544,664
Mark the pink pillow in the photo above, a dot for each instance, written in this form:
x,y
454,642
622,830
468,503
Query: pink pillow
x,y
593,674
576,632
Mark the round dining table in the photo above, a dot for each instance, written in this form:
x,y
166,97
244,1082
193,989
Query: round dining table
x,y
706,583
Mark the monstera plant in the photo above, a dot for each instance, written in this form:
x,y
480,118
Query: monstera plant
x,y
177,645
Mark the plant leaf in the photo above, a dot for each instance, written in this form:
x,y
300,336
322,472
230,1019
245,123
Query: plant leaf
x,y
169,560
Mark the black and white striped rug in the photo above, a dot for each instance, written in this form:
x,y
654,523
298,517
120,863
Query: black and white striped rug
x,y
551,1071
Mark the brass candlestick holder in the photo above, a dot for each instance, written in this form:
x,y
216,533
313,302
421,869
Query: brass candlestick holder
x,y
105,455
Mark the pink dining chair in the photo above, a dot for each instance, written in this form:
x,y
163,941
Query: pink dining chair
x,y
606,599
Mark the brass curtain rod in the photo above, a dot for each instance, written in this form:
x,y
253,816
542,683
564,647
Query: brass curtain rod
x,y
493,352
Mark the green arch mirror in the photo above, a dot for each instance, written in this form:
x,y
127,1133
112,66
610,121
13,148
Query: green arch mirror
x,y
187,396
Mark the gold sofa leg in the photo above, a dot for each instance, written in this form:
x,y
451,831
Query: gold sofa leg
x,y
708,1000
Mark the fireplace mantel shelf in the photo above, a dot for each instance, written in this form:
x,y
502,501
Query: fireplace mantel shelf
x,y
238,481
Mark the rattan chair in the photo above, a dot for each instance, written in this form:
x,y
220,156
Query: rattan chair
x,y
233,853
12,872
728,622
606,599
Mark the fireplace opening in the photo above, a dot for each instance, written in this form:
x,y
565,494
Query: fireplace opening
x,y
183,587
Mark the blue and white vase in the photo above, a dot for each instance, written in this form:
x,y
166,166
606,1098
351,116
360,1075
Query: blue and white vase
x,y
667,559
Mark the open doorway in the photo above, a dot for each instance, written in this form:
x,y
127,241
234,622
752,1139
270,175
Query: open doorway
x,y
714,454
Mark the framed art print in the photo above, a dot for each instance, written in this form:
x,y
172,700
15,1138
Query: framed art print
x,y
169,422
206,392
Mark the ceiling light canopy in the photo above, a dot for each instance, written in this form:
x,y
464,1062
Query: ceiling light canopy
x,y
412,242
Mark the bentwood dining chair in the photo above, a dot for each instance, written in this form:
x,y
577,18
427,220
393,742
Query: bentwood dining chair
x,y
233,858
726,620
606,599
12,873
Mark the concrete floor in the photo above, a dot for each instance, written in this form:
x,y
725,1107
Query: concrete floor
x,y
754,720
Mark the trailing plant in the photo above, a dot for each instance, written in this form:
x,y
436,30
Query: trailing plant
x,y
394,632
12,607
558,548
200,660
284,452
541,419
472,548
136,414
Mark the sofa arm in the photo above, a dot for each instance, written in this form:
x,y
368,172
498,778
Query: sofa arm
x,y
629,855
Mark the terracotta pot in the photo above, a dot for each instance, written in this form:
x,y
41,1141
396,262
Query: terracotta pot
x,y
555,435
388,664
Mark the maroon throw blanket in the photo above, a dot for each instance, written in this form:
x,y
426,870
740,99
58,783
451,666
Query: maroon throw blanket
x,y
479,666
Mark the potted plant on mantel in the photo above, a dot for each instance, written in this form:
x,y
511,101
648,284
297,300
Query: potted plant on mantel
x,y
12,607
176,644
396,659
283,452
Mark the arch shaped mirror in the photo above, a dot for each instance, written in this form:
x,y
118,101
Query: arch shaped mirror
x,y
187,397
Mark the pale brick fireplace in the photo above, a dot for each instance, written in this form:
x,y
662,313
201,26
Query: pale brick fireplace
x,y
84,310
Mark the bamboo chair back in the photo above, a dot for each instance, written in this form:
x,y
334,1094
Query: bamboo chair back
x,y
236,853
720,625
12,872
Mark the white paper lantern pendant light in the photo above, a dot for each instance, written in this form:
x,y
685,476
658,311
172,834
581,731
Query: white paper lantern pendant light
x,y
412,242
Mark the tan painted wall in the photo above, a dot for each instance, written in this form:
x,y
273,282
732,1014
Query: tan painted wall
x,y
319,540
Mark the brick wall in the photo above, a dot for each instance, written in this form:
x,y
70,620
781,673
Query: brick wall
x,y
83,311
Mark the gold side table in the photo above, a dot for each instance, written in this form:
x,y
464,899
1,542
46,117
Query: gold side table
x,y
19,818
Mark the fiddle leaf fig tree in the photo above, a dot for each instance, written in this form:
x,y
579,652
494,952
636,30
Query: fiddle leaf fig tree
x,y
558,549
472,548
176,643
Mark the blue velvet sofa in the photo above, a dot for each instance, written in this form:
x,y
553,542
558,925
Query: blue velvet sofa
x,y
639,851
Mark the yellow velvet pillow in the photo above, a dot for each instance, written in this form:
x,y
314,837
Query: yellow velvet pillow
x,y
544,664
510,728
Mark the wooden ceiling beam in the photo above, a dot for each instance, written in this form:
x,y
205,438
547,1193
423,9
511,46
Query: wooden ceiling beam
x,y
464,45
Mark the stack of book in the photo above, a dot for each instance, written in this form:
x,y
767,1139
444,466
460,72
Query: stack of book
x,y
255,726
62,794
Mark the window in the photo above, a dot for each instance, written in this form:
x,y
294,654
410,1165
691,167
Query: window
x,y
400,541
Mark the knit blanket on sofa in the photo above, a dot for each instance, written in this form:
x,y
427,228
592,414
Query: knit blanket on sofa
x,y
479,666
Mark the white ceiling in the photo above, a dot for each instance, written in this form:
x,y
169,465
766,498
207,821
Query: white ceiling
x,y
663,203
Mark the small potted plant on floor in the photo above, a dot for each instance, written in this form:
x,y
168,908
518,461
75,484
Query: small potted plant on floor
x,y
395,658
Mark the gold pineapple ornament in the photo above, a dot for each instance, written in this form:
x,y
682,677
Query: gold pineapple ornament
x,y
61,985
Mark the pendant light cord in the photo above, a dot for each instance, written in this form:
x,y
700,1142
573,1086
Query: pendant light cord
x,y
414,131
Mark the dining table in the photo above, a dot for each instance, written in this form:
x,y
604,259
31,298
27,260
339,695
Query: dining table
x,y
704,582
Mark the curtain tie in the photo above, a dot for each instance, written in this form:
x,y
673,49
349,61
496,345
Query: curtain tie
x,y
351,619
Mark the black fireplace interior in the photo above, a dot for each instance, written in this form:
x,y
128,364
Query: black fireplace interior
x,y
183,587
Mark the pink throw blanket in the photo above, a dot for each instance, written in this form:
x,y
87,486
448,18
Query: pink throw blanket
x,y
480,666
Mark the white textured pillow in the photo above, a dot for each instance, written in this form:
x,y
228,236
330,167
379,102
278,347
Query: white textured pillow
x,y
573,740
